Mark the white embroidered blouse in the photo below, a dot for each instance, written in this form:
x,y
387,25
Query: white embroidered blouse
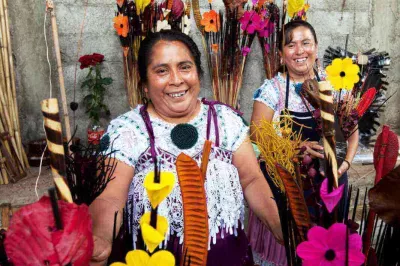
x,y
225,202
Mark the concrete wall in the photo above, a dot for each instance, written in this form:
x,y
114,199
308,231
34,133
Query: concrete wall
x,y
370,23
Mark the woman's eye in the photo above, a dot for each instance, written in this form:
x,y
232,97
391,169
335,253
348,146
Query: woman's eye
x,y
291,45
186,67
161,71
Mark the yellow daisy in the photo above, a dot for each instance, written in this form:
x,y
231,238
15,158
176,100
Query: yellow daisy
x,y
141,258
294,6
343,74
153,237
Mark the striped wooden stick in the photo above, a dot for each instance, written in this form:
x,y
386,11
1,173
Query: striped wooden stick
x,y
328,132
54,138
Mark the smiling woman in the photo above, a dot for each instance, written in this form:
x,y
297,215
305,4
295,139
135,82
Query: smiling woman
x,y
201,146
281,94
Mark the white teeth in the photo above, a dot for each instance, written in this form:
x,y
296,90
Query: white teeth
x,y
176,95
301,60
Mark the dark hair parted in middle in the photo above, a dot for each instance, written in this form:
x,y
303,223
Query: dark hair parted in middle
x,y
146,47
288,28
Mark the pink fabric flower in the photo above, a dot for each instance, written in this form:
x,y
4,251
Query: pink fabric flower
x,y
250,21
330,199
246,50
266,28
328,247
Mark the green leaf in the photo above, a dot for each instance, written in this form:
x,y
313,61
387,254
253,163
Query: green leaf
x,y
87,83
106,81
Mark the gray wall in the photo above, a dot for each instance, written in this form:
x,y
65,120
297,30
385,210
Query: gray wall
x,y
370,23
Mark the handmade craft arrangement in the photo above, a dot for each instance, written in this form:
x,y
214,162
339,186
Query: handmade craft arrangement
x,y
323,222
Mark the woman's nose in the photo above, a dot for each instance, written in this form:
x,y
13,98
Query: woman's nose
x,y
175,78
299,49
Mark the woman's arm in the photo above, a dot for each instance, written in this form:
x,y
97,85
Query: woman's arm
x,y
260,112
352,145
256,189
103,209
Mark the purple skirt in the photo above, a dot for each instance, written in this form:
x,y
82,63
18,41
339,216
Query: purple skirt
x,y
263,242
229,250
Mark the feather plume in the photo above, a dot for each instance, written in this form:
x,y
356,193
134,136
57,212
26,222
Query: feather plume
x,y
296,200
366,101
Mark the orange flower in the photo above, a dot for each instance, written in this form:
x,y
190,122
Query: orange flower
x,y
210,21
214,47
121,25
120,2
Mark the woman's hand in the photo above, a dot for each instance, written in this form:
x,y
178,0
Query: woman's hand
x,y
344,167
313,149
101,251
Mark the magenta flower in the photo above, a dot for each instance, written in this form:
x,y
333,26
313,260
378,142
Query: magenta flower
x,y
328,247
330,199
250,21
265,29
246,50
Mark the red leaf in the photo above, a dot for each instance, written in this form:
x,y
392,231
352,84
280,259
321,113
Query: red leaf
x,y
32,238
385,152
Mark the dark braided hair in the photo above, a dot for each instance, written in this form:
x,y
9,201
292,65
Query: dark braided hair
x,y
146,48
288,28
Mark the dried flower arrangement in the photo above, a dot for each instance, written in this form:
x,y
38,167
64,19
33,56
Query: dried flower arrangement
x,y
227,38
133,21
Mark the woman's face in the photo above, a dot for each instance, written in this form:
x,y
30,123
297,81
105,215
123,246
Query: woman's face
x,y
300,54
173,83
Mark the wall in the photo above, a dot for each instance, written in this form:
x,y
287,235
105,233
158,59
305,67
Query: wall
x,y
370,23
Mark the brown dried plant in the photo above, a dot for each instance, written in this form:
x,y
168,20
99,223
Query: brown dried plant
x,y
277,144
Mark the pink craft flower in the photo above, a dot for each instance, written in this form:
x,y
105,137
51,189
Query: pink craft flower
x,y
266,28
246,50
250,21
330,199
328,247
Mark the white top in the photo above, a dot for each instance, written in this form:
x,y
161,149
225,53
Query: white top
x,y
225,203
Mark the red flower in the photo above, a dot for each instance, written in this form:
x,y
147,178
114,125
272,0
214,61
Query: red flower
x,y
266,28
90,60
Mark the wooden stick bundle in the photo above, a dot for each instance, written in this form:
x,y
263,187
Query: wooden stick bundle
x,y
13,160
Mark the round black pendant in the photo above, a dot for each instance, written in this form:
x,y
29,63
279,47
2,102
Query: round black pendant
x,y
184,136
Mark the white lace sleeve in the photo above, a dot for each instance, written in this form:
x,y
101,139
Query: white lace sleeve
x,y
126,137
268,94
233,130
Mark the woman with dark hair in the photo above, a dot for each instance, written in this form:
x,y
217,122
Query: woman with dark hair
x,y
298,50
152,138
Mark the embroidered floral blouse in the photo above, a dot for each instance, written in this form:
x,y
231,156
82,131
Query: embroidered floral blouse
x,y
225,202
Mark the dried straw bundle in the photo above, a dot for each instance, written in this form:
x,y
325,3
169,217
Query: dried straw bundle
x,y
13,160
275,148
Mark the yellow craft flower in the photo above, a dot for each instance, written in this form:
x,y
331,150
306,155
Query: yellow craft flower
x,y
153,237
141,5
141,258
294,6
342,74
157,192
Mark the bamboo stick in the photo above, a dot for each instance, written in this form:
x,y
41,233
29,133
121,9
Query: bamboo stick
x,y
3,170
53,129
50,6
4,59
16,122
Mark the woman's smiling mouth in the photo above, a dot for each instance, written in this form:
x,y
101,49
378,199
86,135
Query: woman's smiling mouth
x,y
177,94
